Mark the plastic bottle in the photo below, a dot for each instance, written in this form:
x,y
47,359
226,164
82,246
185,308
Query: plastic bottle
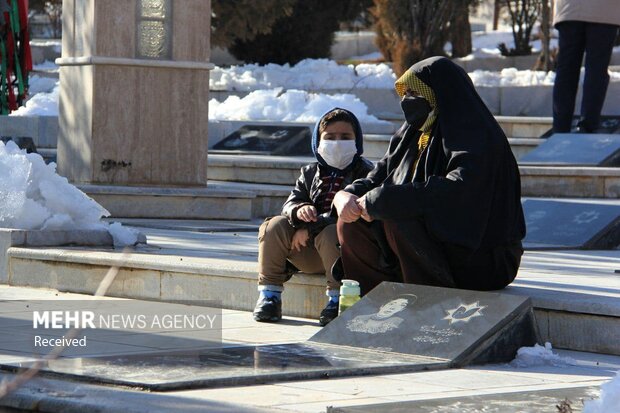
x,y
349,294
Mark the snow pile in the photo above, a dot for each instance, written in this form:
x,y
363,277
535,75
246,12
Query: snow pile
x,y
512,77
309,74
34,197
289,106
540,356
609,400
41,104
41,84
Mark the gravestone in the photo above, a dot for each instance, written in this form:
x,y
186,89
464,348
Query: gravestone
x,y
134,92
609,125
578,149
569,224
268,140
395,328
459,326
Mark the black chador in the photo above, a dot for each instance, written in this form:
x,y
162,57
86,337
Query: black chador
x,y
445,198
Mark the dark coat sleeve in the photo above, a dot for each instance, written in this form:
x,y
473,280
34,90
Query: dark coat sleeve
x,y
300,195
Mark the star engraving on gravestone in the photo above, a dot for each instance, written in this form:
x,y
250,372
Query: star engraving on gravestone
x,y
434,335
383,320
586,217
464,312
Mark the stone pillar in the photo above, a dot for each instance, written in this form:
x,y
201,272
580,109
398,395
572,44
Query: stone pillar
x,y
134,89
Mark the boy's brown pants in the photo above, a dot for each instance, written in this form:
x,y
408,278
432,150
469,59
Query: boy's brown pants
x,y
274,248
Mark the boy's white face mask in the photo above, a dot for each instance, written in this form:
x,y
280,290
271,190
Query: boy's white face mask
x,y
338,154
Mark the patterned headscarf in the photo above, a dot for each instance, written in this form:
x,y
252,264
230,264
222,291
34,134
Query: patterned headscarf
x,y
410,81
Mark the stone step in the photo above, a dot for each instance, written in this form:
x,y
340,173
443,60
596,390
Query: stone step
x,y
375,146
44,129
559,283
184,203
536,181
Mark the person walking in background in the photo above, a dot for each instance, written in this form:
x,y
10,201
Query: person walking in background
x,y
584,26
304,236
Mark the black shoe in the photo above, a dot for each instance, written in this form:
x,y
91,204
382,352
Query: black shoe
x,y
329,313
268,309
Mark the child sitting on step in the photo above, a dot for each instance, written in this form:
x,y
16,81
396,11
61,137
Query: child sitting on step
x,y
304,236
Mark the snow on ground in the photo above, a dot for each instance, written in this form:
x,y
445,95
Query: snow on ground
x,y
309,74
609,400
40,104
540,356
47,66
287,106
34,197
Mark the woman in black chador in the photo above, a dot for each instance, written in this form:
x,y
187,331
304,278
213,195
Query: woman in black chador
x,y
442,207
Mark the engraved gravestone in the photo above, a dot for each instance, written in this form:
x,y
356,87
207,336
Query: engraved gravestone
x,y
571,224
445,323
395,328
268,140
583,149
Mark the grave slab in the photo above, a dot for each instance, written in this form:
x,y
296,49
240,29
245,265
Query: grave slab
x,y
395,328
551,401
267,140
444,323
555,224
578,149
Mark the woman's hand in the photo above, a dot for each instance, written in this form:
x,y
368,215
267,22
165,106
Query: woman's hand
x,y
307,213
361,202
300,239
346,206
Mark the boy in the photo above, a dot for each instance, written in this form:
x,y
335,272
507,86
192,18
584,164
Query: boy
x,y
304,236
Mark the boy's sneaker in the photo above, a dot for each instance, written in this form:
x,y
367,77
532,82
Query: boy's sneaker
x,y
268,309
329,313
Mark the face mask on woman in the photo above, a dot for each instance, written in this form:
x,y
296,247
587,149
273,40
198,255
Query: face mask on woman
x,y
338,154
416,110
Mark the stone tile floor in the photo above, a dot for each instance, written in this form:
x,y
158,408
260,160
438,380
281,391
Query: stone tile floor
x,y
303,396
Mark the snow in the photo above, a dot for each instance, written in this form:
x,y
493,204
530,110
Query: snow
x,y
609,400
309,74
34,197
540,356
287,106
41,104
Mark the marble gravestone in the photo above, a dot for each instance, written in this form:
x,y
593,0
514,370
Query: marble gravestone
x,y
583,149
395,328
267,140
609,124
459,326
564,224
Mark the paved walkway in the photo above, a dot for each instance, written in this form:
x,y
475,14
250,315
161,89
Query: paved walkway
x,y
55,394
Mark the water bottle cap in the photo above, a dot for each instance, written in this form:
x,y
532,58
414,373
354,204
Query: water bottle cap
x,y
350,287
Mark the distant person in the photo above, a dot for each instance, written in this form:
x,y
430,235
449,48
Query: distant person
x,y
443,205
304,236
583,26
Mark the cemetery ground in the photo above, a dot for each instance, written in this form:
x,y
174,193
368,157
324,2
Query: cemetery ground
x,y
574,294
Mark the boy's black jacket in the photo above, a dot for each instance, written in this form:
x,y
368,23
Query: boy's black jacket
x,y
308,190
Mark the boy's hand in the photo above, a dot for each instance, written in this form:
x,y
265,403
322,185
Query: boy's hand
x,y
300,239
361,202
347,207
307,213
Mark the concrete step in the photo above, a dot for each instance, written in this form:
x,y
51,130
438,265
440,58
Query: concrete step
x,y
536,181
375,146
44,129
185,203
186,265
